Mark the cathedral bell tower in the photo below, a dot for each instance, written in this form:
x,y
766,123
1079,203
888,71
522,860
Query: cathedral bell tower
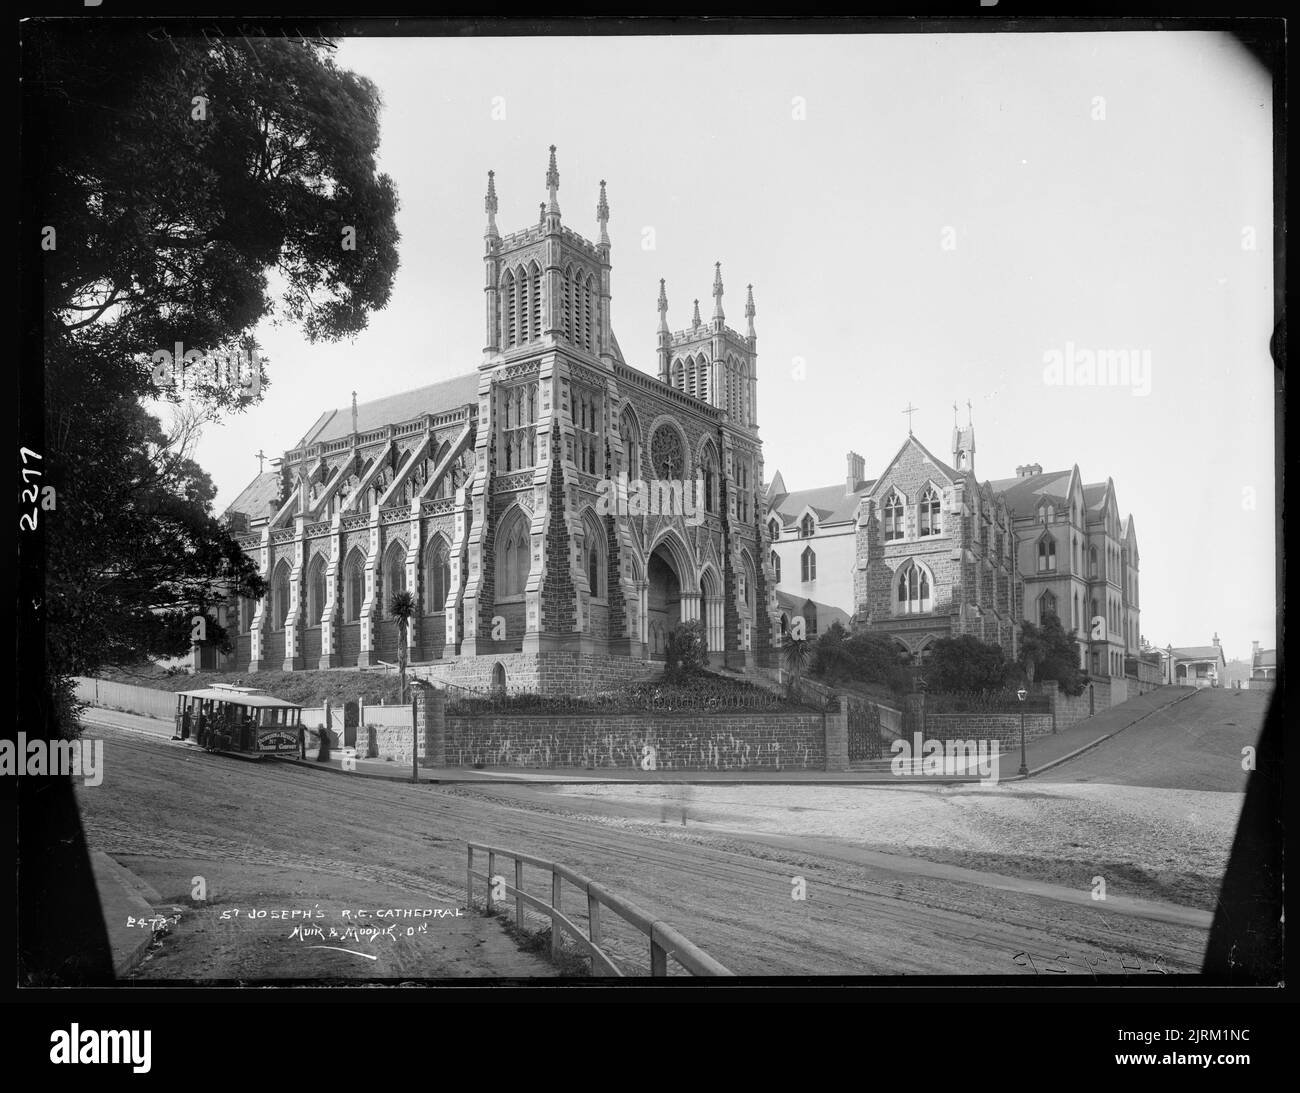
x,y
709,360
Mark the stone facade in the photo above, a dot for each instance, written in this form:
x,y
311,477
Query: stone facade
x,y
510,503
742,741
935,555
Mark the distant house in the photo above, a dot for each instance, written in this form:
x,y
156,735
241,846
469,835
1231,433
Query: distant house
x,y
1194,665
1263,667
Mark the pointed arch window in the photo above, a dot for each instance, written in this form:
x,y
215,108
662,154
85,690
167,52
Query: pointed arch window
x,y
280,596
513,556
928,512
394,575
808,564
807,527
316,591
913,590
510,310
437,576
588,294
535,305
354,586
1046,607
774,529
708,471
1046,554
594,551
631,433
893,510
776,566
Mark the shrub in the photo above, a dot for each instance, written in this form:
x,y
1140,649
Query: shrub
x,y
965,663
687,650
862,657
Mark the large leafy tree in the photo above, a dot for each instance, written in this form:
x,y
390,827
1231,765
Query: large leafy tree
x,y
1048,652
965,663
189,189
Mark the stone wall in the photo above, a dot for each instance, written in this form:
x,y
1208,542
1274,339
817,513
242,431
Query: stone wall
x,y
1005,728
742,741
560,672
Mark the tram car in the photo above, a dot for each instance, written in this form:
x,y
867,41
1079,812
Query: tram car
x,y
238,721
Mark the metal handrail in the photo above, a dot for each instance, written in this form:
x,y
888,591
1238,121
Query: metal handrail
x,y
665,941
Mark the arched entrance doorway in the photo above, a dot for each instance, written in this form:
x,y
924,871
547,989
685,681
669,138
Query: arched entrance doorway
x,y
663,601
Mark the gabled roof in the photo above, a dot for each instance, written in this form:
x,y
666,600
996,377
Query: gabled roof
x,y
436,398
1094,496
1024,494
939,465
829,504
257,496
1267,659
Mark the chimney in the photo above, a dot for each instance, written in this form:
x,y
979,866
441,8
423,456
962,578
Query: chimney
x,y
1216,641
856,470
1254,650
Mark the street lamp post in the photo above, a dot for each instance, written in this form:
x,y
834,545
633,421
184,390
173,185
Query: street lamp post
x,y
1024,767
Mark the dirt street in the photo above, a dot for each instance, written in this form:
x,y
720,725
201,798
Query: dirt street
x,y
272,836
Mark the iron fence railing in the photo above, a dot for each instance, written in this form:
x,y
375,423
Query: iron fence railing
x,y
696,697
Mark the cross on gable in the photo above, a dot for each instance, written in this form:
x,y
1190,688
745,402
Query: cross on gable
x,y
909,412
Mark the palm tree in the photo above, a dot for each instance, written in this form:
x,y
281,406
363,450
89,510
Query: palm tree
x,y
401,606
796,654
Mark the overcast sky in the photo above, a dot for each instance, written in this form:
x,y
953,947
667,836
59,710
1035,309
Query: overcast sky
x,y
924,218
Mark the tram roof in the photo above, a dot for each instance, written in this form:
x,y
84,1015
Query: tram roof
x,y
234,698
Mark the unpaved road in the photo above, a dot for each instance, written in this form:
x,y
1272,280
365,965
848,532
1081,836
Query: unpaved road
x,y
271,831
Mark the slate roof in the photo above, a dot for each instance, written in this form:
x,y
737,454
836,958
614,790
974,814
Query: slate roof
x,y
1267,659
1198,652
257,495
1094,495
830,504
1023,494
436,398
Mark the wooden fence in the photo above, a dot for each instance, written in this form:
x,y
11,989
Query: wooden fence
x,y
664,940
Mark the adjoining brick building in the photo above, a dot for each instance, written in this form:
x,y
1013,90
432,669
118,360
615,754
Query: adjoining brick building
x,y
486,495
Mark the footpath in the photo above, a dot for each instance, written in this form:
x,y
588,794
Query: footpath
x,y
1041,755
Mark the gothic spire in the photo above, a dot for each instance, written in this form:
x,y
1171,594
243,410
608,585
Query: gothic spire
x,y
749,310
695,319
602,215
663,308
541,215
553,184
717,291
490,205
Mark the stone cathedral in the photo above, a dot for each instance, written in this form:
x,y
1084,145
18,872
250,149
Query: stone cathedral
x,y
481,495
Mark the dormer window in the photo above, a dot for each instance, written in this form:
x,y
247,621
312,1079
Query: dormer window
x,y
893,509
774,529
807,527
928,512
